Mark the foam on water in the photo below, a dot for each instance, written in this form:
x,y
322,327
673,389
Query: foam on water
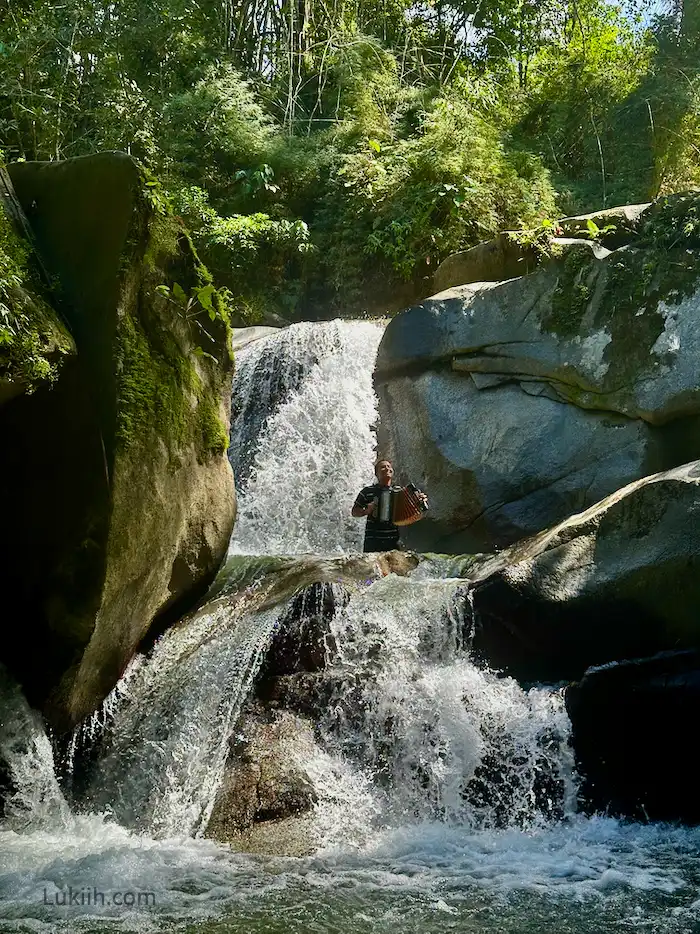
x,y
584,872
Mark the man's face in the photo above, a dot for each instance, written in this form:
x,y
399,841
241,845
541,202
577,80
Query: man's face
x,y
384,472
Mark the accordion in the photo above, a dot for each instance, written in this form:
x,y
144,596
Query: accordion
x,y
400,505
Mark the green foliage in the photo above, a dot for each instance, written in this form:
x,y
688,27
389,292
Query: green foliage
x,y
152,192
13,270
214,130
595,232
239,247
316,149
31,339
449,186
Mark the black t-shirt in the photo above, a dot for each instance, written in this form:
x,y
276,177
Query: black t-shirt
x,y
379,536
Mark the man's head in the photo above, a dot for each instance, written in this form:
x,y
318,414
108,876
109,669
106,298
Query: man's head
x,y
383,471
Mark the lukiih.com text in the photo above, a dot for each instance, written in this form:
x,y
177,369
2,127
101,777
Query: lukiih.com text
x,y
86,897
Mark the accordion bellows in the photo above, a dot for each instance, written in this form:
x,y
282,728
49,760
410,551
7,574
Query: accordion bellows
x,y
406,508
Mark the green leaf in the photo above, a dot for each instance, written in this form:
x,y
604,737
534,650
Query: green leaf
x,y
375,145
205,296
179,293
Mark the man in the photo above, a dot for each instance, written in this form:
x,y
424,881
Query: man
x,y
380,533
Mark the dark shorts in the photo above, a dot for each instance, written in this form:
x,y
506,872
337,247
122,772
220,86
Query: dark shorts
x,y
381,543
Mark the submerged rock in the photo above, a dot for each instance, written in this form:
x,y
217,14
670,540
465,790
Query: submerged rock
x,y
630,729
620,580
122,498
514,404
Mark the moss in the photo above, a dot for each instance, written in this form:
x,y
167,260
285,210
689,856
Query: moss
x,y
213,434
571,294
169,382
32,340
153,389
623,294
161,393
163,240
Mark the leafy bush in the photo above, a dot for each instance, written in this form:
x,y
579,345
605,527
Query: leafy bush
x,y
412,201
214,130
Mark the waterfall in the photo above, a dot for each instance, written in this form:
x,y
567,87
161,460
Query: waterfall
x,y
167,742
34,798
423,732
444,792
302,411
413,731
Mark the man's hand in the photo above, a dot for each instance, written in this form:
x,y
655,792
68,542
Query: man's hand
x,y
359,511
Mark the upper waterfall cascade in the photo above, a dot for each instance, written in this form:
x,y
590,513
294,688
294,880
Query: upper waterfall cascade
x,y
301,440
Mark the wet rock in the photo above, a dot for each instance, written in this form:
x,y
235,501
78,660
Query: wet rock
x,y
302,639
621,580
397,562
265,785
307,694
630,730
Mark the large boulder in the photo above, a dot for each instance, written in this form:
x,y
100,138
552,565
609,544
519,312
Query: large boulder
x,y
120,499
618,581
631,724
516,253
517,403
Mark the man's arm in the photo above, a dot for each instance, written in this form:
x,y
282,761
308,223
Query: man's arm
x,y
359,511
363,506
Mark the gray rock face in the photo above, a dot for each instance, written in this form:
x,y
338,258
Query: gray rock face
x,y
513,404
617,581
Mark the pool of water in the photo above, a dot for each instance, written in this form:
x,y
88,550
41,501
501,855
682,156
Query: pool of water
x,y
583,875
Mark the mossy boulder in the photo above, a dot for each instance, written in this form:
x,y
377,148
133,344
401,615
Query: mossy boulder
x,y
123,499
518,403
519,252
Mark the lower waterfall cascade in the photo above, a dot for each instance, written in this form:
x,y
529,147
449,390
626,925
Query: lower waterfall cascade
x,y
445,793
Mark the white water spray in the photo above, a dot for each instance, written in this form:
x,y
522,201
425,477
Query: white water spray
x,y
168,741
35,800
315,450
429,735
